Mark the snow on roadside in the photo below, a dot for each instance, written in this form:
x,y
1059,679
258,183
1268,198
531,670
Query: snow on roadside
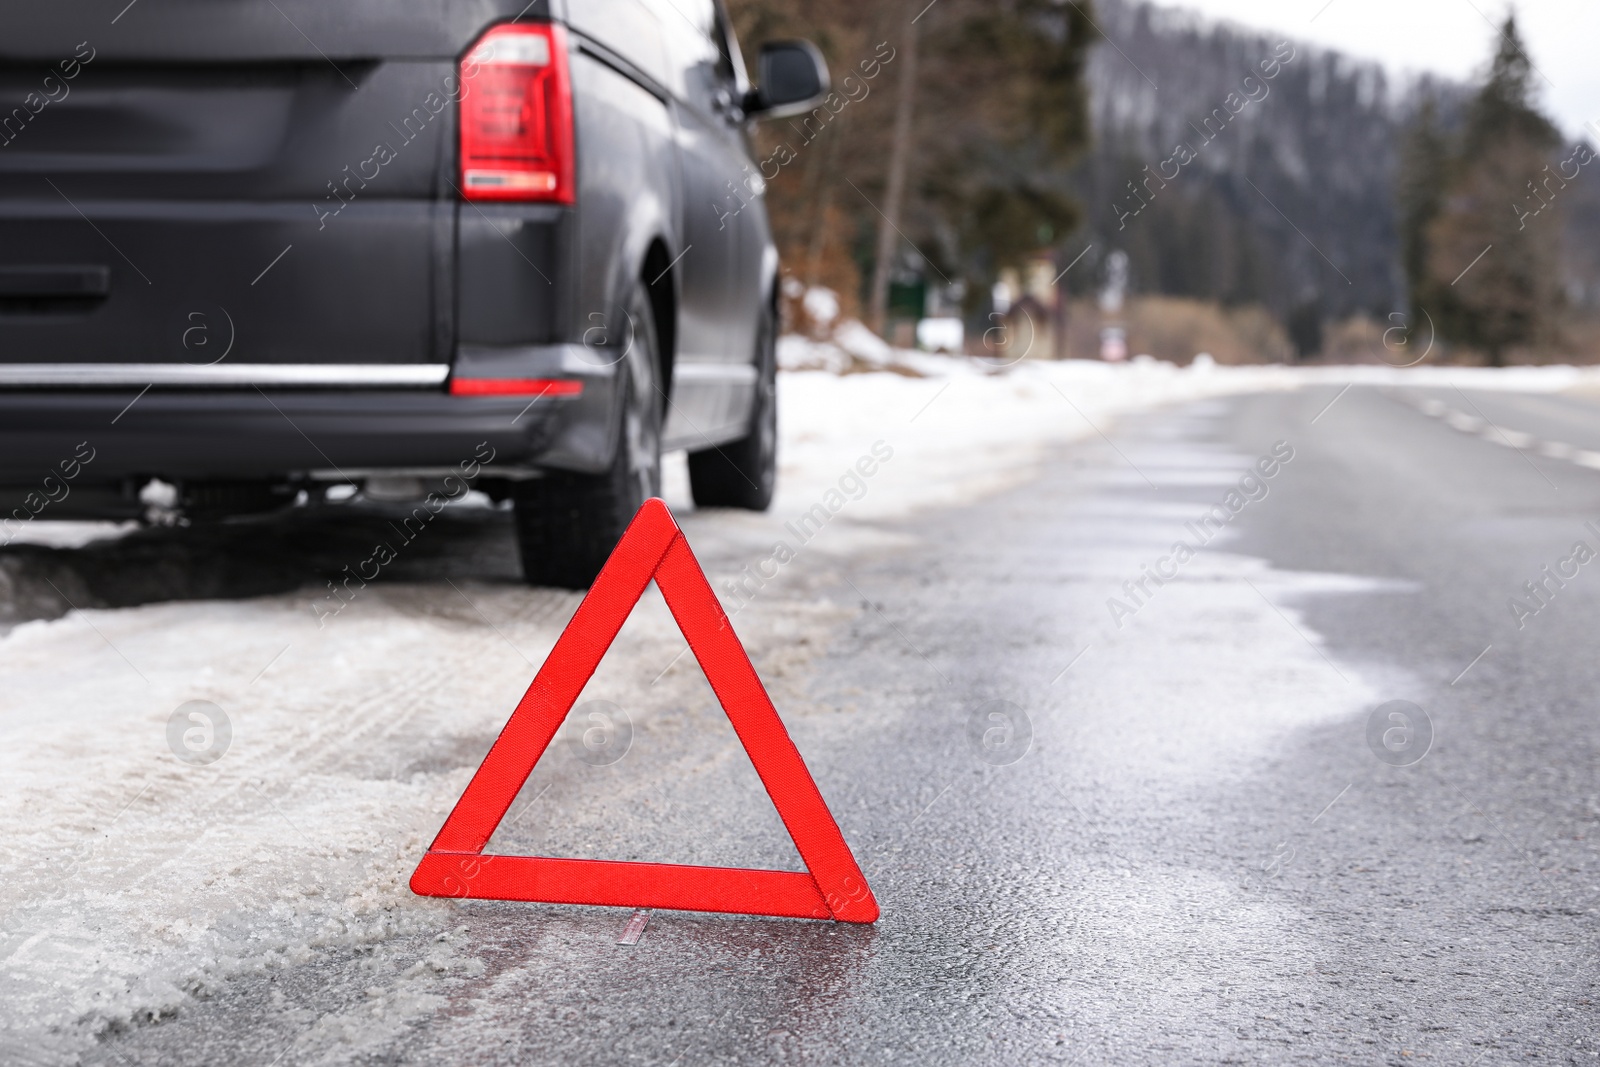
x,y
960,427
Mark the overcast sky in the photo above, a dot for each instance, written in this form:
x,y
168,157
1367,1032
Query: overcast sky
x,y
1451,37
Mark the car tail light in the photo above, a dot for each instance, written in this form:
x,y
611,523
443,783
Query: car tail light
x,y
514,387
516,116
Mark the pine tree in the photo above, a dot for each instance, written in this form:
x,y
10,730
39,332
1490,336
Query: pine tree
x,y
1486,274
1012,107
1424,172
1503,108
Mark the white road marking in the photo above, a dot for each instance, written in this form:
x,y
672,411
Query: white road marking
x,y
1513,439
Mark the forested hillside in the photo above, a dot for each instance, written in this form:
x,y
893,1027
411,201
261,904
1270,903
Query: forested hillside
x,y
1286,197
1235,169
1265,171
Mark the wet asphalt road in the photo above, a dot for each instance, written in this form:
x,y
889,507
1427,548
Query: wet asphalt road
x,y
1180,847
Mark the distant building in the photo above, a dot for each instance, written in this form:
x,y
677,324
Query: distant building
x,y
1031,313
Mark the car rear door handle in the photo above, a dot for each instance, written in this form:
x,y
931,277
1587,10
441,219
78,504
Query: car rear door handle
x,y
42,281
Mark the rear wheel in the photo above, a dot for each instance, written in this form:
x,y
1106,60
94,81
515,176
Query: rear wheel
x,y
567,523
743,473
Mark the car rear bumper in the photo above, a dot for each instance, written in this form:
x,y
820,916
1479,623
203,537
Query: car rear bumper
x,y
310,425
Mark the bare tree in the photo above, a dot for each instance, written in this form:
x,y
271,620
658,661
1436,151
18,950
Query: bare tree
x,y
900,149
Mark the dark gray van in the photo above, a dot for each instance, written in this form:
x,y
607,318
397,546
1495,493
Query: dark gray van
x,y
264,248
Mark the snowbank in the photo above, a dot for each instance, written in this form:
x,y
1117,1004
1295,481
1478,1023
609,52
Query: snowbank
x,y
961,427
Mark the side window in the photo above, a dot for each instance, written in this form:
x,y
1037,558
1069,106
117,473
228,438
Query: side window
x,y
697,47
631,28
700,15
686,31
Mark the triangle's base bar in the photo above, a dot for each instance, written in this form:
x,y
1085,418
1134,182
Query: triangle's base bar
x,y
471,875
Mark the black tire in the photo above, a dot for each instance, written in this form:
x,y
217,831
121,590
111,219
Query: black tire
x,y
567,523
744,473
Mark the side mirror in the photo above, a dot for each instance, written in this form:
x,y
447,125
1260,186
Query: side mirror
x,y
793,76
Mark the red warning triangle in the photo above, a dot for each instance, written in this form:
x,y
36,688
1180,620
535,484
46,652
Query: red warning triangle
x,y
455,866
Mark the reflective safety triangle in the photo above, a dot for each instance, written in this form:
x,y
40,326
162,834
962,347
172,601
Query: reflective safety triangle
x,y
652,548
